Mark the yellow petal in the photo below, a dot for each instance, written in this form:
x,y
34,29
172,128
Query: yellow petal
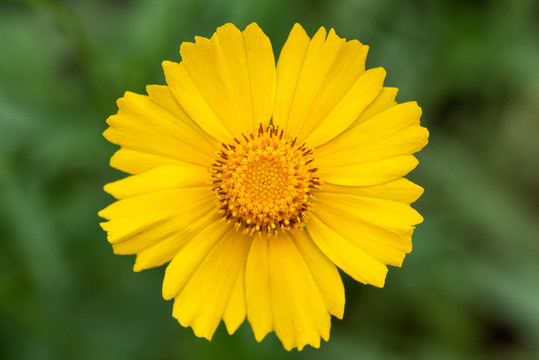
x,y
318,59
313,77
156,225
163,232
387,244
143,125
202,301
192,100
189,258
229,78
401,190
369,173
324,272
348,66
362,93
393,132
164,250
135,214
135,162
288,70
384,101
158,179
235,311
300,316
161,95
350,258
262,74
373,218
257,288
379,211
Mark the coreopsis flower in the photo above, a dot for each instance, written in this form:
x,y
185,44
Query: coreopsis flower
x,y
254,182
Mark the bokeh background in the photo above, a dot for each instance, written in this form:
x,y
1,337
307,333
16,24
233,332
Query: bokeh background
x,y
469,289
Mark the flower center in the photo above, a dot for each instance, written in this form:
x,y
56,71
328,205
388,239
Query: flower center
x,y
264,182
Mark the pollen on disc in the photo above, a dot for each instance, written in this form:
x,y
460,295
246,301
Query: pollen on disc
x,y
264,181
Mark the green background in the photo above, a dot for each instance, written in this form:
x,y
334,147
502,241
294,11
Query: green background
x,y
469,289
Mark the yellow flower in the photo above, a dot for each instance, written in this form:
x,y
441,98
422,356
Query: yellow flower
x,y
257,181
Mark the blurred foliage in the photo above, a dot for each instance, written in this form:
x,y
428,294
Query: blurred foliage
x,y
469,289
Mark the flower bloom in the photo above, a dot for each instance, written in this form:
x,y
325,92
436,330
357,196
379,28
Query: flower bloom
x,y
254,182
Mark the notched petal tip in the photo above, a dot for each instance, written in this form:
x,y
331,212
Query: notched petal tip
x,y
166,64
398,262
199,41
205,336
227,27
422,138
389,93
116,251
185,48
150,88
359,47
412,108
415,106
381,281
125,98
226,32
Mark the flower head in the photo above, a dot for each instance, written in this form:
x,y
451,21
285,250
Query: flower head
x,y
254,182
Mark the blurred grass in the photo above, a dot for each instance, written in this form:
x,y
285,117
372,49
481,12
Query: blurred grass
x,y
468,290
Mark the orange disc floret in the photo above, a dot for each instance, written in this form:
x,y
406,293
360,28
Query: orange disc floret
x,y
264,181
